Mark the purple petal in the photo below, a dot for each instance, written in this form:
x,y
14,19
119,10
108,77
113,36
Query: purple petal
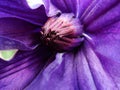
x,y
19,72
19,23
68,72
107,42
19,9
75,6
16,33
99,9
106,19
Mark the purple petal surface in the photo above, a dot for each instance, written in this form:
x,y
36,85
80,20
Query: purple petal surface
x,y
20,71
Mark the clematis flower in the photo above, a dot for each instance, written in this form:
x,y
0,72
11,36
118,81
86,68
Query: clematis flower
x,y
60,45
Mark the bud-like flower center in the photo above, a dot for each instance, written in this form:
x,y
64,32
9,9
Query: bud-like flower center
x,y
62,33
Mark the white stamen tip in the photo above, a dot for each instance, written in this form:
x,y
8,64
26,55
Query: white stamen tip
x,y
88,37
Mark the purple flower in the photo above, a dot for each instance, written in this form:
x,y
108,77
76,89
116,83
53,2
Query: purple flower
x,y
92,63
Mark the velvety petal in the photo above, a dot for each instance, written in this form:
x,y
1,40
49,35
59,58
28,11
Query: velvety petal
x,y
50,9
20,71
100,8
20,25
104,31
18,34
106,46
107,42
58,75
106,19
20,9
81,70
102,79
67,6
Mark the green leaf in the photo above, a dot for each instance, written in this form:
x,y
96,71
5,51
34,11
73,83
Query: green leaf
x,y
7,55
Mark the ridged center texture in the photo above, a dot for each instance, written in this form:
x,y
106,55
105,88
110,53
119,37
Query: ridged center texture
x,y
62,33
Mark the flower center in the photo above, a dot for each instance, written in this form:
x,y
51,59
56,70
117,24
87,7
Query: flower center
x,y
62,33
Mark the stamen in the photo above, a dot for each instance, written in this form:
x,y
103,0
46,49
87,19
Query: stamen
x,y
56,34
